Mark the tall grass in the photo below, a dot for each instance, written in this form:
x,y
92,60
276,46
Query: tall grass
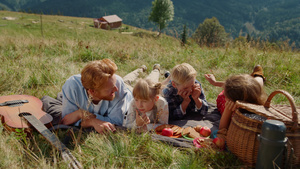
x,y
36,59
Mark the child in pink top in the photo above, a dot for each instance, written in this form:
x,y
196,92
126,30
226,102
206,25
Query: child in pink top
x,y
221,101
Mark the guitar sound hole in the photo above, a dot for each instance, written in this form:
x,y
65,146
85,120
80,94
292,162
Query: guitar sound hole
x,y
24,114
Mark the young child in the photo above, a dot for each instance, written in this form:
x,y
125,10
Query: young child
x,y
257,74
184,93
243,88
148,109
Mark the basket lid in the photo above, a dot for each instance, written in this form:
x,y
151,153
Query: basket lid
x,y
278,112
285,113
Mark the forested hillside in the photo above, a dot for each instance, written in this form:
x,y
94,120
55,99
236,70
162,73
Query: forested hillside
x,y
271,19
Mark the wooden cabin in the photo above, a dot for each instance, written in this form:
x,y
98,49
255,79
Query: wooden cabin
x,y
108,22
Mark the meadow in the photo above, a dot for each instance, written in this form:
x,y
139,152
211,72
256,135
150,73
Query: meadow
x,y
39,52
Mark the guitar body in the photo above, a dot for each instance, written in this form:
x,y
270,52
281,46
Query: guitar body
x,y
24,111
9,111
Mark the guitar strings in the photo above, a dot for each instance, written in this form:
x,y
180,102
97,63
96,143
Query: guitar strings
x,y
21,117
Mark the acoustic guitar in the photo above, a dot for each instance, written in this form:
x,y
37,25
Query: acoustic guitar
x,y
11,106
24,111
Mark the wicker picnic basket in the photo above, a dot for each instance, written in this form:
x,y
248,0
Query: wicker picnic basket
x,y
242,133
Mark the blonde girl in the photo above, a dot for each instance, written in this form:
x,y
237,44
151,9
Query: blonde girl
x,y
148,109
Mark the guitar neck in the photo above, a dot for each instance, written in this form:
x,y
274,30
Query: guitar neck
x,y
41,128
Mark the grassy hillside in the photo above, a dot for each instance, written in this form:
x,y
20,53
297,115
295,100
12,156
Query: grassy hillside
x,y
270,19
38,53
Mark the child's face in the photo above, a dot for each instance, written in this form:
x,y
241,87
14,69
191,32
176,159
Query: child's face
x,y
186,87
144,105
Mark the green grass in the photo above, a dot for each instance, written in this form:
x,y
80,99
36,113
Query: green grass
x,y
37,62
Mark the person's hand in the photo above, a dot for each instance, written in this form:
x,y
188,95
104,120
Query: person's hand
x,y
141,119
230,105
210,78
185,94
103,127
196,92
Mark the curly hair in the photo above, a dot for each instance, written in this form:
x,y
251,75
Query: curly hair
x,y
97,72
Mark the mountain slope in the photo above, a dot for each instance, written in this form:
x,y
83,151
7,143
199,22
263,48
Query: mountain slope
x,y
273,19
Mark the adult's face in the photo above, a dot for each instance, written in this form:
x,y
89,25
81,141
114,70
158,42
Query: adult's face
x,y
106,91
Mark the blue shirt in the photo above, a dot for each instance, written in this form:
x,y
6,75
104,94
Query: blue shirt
x,y
174,100
75,97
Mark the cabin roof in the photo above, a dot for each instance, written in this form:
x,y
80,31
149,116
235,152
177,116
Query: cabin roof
x,y
112,18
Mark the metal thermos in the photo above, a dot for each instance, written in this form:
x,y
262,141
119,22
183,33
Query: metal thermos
x,y
272,145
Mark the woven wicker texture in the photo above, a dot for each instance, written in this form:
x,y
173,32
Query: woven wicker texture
x,y
242,133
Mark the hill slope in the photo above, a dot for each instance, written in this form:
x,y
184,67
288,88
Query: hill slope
x,y
37,58
272,19
72,41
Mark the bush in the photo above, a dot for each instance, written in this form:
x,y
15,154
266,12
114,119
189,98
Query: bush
x,y
210,33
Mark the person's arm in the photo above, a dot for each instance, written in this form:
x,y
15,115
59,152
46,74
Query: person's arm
x,y
212,80
73,97
199,98
72,118
226,116
186,99
87,119
69,103
196,95
163,111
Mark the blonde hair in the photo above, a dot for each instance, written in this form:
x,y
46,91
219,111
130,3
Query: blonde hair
x,y
183,73
97,72
244,88
146,89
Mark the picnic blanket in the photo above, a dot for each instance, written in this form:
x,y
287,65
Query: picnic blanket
x,y
211,120
53,106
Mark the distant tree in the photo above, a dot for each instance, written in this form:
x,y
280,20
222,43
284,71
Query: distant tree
x,y
210,33
183,35
161,13
241,40
248,37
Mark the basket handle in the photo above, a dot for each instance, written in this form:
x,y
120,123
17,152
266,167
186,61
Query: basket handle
x,y
292,103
